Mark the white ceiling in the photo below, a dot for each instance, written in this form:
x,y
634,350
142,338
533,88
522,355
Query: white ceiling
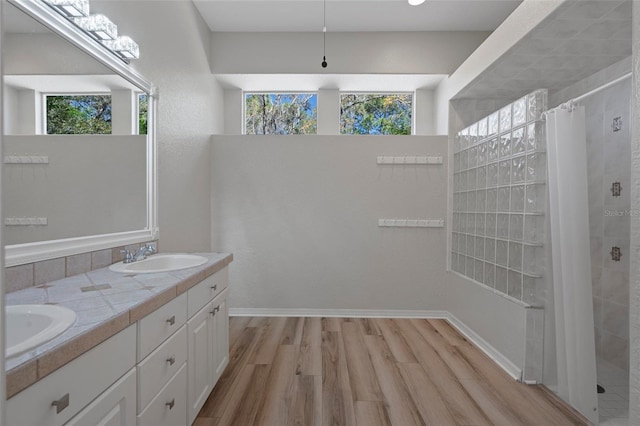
x,y
354,15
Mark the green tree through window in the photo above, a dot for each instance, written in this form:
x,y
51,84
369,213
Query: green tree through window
x,y
375,114
78,114
280,114
143,112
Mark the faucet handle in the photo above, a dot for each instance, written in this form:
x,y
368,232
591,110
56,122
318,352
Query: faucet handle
x,y
150,248
128,256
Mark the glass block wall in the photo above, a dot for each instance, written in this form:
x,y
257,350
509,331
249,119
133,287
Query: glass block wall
x,y
499,199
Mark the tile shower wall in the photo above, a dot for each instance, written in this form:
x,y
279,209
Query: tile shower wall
x,y
499,200
609,174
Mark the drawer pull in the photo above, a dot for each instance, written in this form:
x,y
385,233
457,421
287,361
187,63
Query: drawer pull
x,y
217,309
213,312
172,320
61,404
171,360
214,287
171,403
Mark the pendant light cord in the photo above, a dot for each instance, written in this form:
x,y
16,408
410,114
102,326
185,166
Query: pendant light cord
x,y
324,33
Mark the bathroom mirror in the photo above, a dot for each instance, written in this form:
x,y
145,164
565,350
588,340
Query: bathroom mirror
x,y
78,146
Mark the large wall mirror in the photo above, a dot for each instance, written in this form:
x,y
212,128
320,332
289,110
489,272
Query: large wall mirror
x,y
78,141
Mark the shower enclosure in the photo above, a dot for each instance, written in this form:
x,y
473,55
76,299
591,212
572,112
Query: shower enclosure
x,y
501,239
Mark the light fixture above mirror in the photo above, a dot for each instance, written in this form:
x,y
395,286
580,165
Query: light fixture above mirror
x,y
71,8
98,26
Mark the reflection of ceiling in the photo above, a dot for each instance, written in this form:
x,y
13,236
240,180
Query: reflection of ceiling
x,y
16,21
69,83
354,15
344,82
578,40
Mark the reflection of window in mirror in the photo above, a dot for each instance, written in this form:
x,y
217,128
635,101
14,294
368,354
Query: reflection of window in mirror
x,y
143,112
86,114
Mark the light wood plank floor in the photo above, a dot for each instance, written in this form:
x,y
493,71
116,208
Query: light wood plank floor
x,y
368,372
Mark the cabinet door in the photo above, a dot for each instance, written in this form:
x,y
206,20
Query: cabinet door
x,y
199,364
168,408
220,336
114,407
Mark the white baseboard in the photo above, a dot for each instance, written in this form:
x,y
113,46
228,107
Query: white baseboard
x,y
504,363
509,367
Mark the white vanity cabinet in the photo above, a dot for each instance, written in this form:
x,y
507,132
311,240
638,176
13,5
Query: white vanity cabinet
x,y
158,371
208,340
74,386
114,407
162,354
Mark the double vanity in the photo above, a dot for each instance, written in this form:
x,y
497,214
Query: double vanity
x,y
146,347
92,340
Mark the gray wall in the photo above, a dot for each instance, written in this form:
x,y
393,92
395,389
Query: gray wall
x,y
174,55
300,214
437,52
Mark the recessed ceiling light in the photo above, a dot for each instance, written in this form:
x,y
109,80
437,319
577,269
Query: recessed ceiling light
x,y
416,2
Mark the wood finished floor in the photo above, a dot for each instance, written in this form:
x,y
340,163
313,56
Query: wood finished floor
x,y
368,372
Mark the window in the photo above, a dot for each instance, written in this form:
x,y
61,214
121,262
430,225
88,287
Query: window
x,y
78,114
143,112
376,114
281,113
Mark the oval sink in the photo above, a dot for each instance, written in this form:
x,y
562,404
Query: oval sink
x,y
29,326
160,263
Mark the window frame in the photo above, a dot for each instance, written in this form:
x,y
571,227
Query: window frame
x,y
274,92
367,92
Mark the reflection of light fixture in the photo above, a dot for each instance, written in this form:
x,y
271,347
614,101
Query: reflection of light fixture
x,y
98,25
71,8
124,46
416,2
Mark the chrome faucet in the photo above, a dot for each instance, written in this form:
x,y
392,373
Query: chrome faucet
x,y
140,254
143,252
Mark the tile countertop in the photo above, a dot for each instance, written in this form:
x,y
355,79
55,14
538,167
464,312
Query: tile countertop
x,y
106,303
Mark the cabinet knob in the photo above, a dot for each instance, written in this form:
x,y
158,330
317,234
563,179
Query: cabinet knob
x,y
172,320
171,360
171,403
61,404
214,287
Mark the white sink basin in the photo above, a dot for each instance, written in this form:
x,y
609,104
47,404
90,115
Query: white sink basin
x,y
160,263
29,326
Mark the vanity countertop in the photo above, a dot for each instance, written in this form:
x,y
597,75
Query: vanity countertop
x,y
106,303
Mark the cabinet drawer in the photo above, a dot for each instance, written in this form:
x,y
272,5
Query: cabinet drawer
x,y
169,407
201,293
114,407
156,327
82,380
162,364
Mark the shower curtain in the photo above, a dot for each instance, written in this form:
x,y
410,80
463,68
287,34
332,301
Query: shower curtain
x,y
571,264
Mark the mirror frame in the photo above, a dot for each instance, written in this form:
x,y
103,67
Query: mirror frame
x,y
19,254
